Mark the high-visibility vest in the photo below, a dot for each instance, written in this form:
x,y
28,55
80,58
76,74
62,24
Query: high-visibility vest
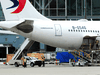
x,y
43,58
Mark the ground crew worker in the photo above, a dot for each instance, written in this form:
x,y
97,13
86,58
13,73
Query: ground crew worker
x,y
97,46
90,46
43,59
24,62
78,59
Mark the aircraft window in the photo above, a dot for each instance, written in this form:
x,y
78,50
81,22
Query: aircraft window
x,y
83,30
86,30
98,31
76,30
71,30
91,30
79,30
95,31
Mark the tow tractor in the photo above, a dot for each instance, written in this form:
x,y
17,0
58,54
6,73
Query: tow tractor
x,y
33,61
78,63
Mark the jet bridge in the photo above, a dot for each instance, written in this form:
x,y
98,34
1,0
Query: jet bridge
x,y
21,51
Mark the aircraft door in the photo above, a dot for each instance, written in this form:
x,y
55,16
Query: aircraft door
x,y
58,30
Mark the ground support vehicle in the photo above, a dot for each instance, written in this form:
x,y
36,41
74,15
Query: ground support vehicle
x,y
33,61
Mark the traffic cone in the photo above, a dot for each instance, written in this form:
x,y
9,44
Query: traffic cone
x,y
56,62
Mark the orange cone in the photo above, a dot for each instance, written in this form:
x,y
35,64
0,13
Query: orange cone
x,y
56,62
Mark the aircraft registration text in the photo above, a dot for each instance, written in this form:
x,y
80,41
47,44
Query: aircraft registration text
x,y
79,27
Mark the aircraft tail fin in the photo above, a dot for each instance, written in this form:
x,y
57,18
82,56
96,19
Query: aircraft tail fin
x,y
18,9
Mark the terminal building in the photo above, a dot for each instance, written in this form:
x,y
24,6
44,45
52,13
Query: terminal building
x,y
55,10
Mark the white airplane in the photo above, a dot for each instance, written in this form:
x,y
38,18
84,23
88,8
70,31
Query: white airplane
x,y
22,18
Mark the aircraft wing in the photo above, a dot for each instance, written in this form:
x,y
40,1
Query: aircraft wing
x,y
25,26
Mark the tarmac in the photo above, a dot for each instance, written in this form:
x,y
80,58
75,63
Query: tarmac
x,y
49,69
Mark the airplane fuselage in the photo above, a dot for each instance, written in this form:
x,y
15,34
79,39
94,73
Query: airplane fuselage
x,y
63,34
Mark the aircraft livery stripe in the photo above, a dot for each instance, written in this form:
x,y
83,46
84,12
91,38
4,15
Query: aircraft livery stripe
x,y
20,7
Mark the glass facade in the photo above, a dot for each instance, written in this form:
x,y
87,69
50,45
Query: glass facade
x,y
68,9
